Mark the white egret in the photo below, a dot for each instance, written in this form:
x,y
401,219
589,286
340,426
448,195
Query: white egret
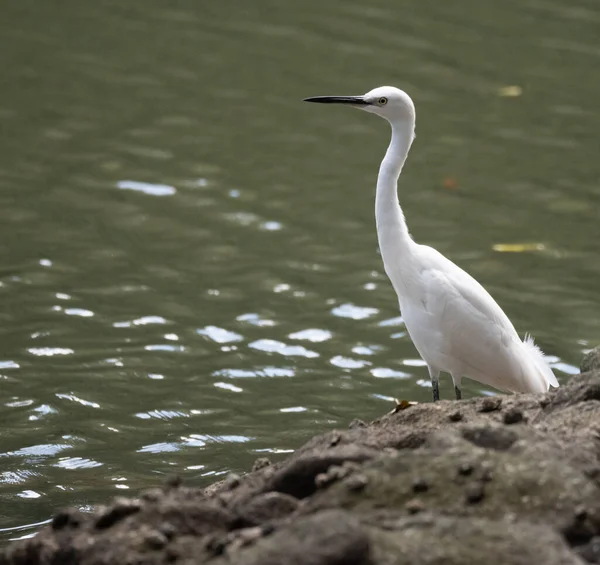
x,y
456,326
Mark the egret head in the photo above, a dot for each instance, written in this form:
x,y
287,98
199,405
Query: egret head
x,y
388,102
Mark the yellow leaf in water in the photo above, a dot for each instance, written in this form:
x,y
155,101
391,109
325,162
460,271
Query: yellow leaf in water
x,y
510,91
518,247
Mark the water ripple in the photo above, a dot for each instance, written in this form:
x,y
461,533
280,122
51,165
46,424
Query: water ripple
x,y
255,319
143,321
147,188
353,311
165,347
74,398
312,334
77,463
50,351
274,346
78,312
386,373
160,447
262,372
348,362
228,386
42,450
219,335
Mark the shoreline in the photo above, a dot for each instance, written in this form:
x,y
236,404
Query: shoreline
x,y
511,479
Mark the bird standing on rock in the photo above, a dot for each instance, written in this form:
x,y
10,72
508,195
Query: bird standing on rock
x,y
456,326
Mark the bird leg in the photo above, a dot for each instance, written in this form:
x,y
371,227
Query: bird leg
x,y
434,374
457,392
435,384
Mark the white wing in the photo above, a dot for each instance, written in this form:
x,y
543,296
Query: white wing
x,y
461,329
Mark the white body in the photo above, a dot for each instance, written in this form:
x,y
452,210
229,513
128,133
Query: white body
x,y
456,326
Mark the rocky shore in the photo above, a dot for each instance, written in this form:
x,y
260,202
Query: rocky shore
x,y
507,480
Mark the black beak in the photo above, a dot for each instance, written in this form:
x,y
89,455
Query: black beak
x,y
354,100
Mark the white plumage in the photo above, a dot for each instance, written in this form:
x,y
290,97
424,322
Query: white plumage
x,y
456,326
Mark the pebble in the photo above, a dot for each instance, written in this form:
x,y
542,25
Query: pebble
x,y
122,508
513,416
64,518
261,463
490,404
420,485
231,481
474,493
414,506
356,482
155,540
465,469
356,423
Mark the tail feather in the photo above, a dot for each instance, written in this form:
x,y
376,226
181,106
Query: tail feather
x,y
537,356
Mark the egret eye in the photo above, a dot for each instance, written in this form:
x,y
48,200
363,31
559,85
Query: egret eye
x,y
382,101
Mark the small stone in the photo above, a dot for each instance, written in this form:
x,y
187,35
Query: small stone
x,y
173,482
322,480
544,401
216,544
581,514
261,463
465,469
455,416
350,466
267,529
591,361
356,482
420,485
155,540
65,518
474,493
231,482
244,537
335,439
490,404
513,416
122,508
356,423
168,530
414,506
152,495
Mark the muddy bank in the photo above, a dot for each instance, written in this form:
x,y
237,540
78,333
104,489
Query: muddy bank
x,y
509,480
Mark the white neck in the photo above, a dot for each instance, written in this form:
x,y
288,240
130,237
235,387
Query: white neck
x,y
394,239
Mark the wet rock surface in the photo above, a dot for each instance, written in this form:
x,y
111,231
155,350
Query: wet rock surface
x,y
514,480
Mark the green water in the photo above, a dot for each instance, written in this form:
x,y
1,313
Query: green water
x,y
189,276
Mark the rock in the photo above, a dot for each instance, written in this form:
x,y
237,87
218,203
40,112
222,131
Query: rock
x,y
591,362
490,404
330,537
451,483
513,416
268,506
426,539
261,463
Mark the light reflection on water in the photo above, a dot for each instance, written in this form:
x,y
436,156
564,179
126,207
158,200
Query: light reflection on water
x,y
190,277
